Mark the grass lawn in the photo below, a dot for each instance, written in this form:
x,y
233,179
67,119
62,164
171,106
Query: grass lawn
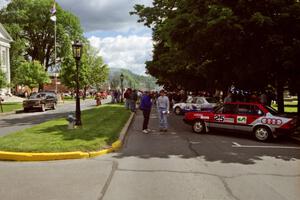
x,y
101,127
9,107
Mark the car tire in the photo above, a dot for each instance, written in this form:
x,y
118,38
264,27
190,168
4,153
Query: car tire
x,y
262,133
54,106
43,108
177,110
199,127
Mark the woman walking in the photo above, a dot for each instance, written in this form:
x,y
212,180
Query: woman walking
x,y
146,106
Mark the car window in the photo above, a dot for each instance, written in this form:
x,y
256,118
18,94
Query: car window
x,y
230,109
244,109
271,110
256,111
200,101
211,100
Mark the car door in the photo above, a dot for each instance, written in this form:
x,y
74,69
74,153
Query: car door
x,y
49,100
247,114
225,117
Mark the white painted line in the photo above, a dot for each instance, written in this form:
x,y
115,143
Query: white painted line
x,y
236,145
195,142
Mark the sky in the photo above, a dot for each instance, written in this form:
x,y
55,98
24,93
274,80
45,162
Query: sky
x,y
121,41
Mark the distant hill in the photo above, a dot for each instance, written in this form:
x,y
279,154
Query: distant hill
x,y
131,80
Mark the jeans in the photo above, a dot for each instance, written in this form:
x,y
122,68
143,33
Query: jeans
x,y
163,118
146,114
127,103
132,105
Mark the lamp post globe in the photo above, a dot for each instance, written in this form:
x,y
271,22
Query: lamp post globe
x,y
77,53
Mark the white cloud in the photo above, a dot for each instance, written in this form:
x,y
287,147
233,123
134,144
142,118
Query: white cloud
x,y
129,52
105,15
3,3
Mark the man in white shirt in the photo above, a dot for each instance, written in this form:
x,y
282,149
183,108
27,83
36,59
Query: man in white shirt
x,y
163,106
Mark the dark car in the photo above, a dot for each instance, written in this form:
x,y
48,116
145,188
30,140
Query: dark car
x,y
40,101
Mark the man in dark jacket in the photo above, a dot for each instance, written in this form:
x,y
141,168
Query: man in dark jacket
x,y
145,106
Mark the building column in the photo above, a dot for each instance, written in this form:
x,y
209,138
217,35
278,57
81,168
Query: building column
x,y
8,68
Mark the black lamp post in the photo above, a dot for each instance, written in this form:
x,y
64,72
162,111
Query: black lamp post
x,y
122,79
77,53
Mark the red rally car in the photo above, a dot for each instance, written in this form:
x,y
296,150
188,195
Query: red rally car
x,y
263,121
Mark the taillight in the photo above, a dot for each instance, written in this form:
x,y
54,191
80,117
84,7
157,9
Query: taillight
x,y
289,125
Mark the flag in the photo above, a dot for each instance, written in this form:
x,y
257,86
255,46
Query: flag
x,y
53,12
53,9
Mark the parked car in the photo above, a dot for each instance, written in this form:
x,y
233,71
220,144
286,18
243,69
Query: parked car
x,y
40,101
263,121
195,104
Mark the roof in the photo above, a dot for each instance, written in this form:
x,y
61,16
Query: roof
x,y
5,35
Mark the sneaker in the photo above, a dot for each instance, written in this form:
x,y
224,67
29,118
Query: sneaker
x,y
145,131
149,130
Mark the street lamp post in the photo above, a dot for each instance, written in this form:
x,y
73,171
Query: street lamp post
x,y
77,53
122,79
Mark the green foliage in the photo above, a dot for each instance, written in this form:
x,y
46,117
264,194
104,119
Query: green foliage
x,y
211,44
31,74
131,80
101,127
3,81
92,70
29,24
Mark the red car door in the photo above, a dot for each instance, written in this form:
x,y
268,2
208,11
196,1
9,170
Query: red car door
x,y
246,115
225,117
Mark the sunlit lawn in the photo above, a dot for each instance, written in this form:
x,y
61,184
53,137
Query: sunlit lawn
x,y
101,127
9,107
289,106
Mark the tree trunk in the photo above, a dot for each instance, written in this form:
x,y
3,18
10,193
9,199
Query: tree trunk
x,y
280,100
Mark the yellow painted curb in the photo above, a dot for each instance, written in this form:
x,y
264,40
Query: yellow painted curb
x,y
16,156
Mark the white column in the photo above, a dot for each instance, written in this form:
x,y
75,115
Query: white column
x,y
8,69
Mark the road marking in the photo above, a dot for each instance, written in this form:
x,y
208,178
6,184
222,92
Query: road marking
x,y
195,142
237,145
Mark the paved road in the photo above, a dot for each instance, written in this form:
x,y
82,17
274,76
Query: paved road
x,y
176,165
15,122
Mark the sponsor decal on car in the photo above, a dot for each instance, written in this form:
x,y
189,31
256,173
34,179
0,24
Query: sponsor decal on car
x,y
241,119
219,118
201,116
229,120
271,121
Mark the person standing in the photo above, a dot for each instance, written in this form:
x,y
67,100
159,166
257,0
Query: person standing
x,y
146,106
228,98
133,100
163,106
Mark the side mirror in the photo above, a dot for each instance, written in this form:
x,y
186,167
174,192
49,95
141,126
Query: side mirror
x,y
259,112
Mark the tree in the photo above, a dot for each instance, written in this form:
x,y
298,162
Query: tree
x,y
3,81
209,44
28,21
31,74
92,70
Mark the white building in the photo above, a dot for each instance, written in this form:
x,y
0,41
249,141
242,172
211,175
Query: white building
x,y
5,40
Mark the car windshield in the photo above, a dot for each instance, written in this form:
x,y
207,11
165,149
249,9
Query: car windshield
x,y
211,100
37,96
271,110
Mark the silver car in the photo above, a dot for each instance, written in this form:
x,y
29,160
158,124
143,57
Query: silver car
x,y
198,103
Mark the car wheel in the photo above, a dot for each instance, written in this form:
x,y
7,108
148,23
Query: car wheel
x,y
43,108
199,127
177,110
54,106
262,133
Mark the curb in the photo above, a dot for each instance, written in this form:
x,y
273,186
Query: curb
x,y
18,156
